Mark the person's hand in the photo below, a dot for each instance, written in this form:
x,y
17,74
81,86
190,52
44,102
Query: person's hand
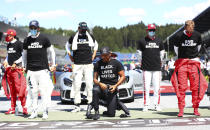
x,y
72,59
112,88
103,86
53,68
93,58
5,64
24,70
13,66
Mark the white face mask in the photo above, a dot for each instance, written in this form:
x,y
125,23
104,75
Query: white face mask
x,y
151,33
33,32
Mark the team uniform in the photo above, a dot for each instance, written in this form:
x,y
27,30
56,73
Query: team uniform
x,y
82,47
188,67
151,52
15,77
36,51
108,74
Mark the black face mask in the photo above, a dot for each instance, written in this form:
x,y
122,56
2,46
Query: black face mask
x,y
83,31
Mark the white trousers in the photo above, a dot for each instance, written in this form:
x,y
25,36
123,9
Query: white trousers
x,y
79,71
39,81
153,77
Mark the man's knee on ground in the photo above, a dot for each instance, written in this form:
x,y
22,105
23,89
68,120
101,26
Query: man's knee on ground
x,y
111,114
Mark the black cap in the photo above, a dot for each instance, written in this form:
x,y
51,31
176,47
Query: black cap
x,y
83,25
104,50
34,23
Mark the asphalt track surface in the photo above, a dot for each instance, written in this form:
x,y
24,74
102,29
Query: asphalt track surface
x,y
61,117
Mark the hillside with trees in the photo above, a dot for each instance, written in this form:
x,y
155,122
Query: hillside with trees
x,y
123,39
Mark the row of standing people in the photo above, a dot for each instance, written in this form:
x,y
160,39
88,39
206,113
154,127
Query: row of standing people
x,y
38,52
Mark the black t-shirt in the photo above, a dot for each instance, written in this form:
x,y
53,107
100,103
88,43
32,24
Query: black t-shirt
x,y
83,54
14,51
150,53
37,52
108,72
188,46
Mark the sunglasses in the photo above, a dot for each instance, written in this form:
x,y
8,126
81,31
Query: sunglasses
x,y
152,30
33,28
9,35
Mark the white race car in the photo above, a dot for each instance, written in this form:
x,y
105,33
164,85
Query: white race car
x,y
64,83
133,82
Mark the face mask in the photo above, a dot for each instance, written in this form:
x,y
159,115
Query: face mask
x,y
33,32
83,31
151,33
8,38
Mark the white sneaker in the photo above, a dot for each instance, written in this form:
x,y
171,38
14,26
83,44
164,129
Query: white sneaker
x,y
157,108
76,109
33,115
145,108
45,115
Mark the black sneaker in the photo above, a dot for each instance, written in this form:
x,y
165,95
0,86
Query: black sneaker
x,y
124,115
96,116
89,116
105,113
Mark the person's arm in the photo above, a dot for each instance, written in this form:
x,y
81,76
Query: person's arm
x,y
139,50
120,81
18,60
24,53
5,63
68,46
162,55
176,50
51,56
94,54
95,74
162,51
176,44
95,80
24,56
199,48
139,55
95,48
6,59
200,43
